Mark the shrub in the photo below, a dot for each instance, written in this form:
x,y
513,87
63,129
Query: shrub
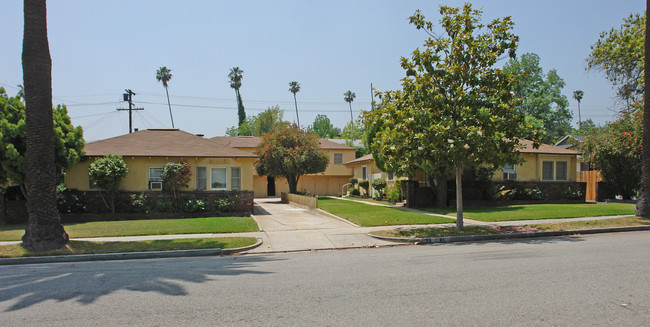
x,y
353,181
107,172
572,194
175,176
165,206
138,203
192,205
535,194
224,205
366,186
394,192
70,203
379,185
355,191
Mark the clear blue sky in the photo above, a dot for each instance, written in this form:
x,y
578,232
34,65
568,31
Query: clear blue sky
x,y
100,48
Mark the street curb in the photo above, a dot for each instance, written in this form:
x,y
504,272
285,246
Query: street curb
x,y
126,255
475,238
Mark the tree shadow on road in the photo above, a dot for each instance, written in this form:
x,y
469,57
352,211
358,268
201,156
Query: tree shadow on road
x,y
85,282
531,240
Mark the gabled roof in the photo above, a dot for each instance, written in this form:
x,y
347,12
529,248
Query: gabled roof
x,y
253,141
366,158
164,142
566,143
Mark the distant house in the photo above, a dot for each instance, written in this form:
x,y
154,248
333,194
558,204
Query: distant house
x,y
329,182
214,167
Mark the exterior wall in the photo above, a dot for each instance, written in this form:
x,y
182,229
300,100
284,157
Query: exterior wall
x,y
531,169
137,178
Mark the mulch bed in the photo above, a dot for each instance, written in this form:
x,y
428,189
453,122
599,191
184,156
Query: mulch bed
x,y
514,229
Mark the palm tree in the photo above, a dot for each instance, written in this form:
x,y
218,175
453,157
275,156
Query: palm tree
x,y
578,94
44,230
235,76
294,88
643,204
164,75
349,97
21,92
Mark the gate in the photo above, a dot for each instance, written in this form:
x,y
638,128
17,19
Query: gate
x,y
591,177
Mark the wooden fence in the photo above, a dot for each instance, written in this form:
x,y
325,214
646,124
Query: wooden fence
x,y
592,178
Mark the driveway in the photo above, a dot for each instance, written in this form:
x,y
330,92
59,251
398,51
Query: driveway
x,y
286,227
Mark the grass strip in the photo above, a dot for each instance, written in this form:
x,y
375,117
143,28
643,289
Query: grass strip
x,y
437,232
145,227
540,211
589,224
84,247
369,215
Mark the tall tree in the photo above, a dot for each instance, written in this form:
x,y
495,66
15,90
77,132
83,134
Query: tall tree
x,y
294,88
269,120
456,108
578,94
619,53
542,96
235,76
290,153
323,127
643,203
44,230
349,96
163,74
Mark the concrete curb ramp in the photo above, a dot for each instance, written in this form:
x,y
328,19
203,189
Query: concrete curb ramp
x,y
476,238
126,255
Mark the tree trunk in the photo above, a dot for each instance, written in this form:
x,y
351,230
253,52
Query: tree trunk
x,y
44,230
293,184
170,106
459,198
351,117
643,204
296,103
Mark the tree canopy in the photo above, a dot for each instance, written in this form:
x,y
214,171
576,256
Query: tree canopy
x,y
107,172
455,108
542,96
267,121
619,53
323,127
290,153
69,142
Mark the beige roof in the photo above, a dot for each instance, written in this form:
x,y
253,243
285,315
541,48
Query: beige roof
x,y
162,143
253,141
544,148
367,157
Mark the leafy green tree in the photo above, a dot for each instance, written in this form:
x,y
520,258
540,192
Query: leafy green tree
x,y
235,77
643,202
294,87
176,176
353,130
107,172
290,153
456,108
616,150
349,96
44,230
587,126
68,141
578,95
163,74
269,120
379,184
323,127
619,53
542,96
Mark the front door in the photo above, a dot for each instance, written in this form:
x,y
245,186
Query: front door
x,y
270,186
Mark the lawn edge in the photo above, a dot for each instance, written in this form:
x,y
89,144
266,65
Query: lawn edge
x,y
127,255
473,238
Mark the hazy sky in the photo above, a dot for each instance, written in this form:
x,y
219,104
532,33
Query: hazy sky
x,y
100,48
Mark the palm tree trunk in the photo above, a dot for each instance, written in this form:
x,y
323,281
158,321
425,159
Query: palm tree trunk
x,y
296,103
44,230
351,118
459,198
643,204
170,106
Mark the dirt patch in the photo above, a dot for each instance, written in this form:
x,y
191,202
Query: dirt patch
x,y
514,229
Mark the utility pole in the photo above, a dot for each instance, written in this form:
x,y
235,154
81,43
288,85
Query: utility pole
x,y
128,96
372,97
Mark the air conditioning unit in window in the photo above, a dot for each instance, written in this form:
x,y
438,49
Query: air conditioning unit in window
x,y
155,185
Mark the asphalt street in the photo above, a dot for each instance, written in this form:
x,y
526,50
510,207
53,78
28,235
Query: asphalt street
x,y
594,280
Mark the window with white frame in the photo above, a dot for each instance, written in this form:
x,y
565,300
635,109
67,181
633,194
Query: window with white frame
x,y
364,173
390,176
547,170
509,172
338,158
235,178
201,178
155,178
218,179
560,170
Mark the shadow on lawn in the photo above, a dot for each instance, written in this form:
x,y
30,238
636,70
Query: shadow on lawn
x,y
85,282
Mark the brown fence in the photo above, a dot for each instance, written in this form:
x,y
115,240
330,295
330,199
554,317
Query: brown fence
x,y
592,178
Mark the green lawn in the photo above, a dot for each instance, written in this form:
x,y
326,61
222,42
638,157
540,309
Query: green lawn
x,y
540,211
371,200
81,247
145,227
369,215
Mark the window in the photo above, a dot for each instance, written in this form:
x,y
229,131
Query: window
x,y
201,178
364,173
338,158
390,176
235,178
547,170
218,179
155,178
509,172
560,170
